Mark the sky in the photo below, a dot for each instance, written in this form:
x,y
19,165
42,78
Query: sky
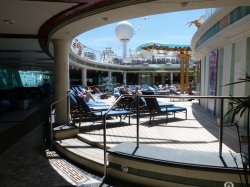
x,y
168,28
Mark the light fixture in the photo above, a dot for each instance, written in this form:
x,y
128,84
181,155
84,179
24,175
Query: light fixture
x,y
7,21
105,19
125,169
184,4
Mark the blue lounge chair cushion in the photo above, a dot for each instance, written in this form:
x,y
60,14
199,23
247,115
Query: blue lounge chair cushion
x,y
173,109
80,88
73,89
113,113
164,104
73,100
154,108
100,108
82,106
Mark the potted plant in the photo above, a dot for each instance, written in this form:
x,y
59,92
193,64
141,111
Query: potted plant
x,y
239,106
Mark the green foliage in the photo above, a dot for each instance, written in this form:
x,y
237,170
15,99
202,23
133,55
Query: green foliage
x,y
241,80
239,105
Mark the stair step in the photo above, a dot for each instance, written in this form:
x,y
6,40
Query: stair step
x,y
95,140
82,153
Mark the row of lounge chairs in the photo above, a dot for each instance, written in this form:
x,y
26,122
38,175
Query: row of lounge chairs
x,y
82,110
147,87
159,108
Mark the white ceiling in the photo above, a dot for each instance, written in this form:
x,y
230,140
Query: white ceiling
x,y
21,21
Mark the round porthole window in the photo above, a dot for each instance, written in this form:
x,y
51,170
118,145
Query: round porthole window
x,y
228,184
125,169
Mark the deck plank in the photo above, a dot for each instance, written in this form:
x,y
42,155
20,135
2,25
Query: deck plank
x,y
199,132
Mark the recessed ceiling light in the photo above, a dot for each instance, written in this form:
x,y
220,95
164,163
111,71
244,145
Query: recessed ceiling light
x,y
105,19
183,4
7,21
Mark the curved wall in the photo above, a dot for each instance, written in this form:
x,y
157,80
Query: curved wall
x,y
224,40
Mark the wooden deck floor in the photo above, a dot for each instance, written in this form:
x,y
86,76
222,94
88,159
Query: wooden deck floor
x,y
199,132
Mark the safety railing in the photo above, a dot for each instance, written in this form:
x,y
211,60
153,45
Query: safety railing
x,y
221,98
104,134
52,113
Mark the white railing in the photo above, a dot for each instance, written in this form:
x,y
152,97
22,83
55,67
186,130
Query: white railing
x,y
87,53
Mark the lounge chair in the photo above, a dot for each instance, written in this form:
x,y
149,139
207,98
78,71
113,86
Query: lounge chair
x,y
85,111
155,109
160,103
159,91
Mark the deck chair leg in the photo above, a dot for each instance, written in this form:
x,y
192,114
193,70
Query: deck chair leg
x,y
186,113
150,119
80,119
129,119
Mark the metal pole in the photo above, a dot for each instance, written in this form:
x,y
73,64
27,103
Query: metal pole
x,y
221,127
137,122
105,149
248,141
68,106
51,117
51,128
104,138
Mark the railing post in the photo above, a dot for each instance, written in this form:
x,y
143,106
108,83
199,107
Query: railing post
x,y
137,121
51,116
248,141
51,128
104,138
221,126
68,106
105,149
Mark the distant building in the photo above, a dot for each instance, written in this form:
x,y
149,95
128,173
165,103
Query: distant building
x,y
108,55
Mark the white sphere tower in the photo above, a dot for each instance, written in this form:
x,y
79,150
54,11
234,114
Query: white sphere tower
x,y
124,32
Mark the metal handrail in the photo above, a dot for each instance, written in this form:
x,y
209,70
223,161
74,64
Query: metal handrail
x,y
51,115
222,98
104,135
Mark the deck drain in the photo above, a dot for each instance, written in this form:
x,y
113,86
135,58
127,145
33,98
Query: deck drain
x,y
65,168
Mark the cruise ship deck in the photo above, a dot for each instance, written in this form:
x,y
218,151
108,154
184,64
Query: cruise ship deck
x,y
199,132
37,38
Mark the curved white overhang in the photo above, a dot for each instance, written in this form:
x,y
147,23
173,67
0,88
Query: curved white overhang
x,y
123,10
118,11
227,35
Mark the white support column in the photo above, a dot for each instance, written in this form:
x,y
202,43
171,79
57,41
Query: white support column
x,y
124,77
162,78
61,56
84,77
153,79
110,75
171,77
110,87
110,78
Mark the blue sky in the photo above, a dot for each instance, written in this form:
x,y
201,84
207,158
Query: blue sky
x,y
168,28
